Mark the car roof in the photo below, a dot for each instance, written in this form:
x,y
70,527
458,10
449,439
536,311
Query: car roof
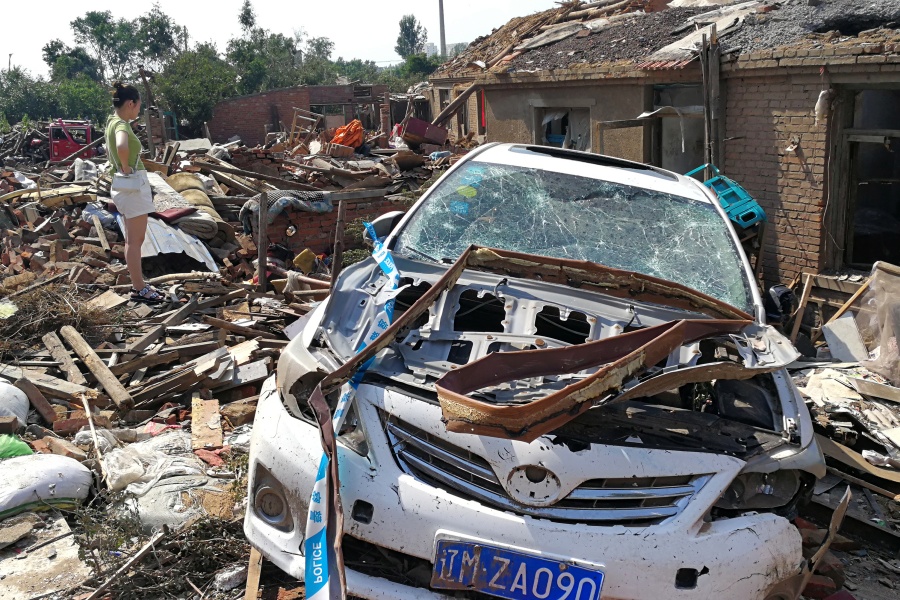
x,y
594,166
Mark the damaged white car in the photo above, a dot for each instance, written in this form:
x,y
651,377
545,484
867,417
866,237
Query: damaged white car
x,y
578,398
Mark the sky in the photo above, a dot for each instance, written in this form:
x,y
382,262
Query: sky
x,y
359,28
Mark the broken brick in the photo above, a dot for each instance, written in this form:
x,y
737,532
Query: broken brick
x,y
65,448
841,595
75,425
41,446
209,457
819,587
813,537
831,566
8,424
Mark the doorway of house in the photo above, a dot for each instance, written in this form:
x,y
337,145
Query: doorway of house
x,y
873,216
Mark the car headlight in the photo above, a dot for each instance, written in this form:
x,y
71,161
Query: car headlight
x,y
760,491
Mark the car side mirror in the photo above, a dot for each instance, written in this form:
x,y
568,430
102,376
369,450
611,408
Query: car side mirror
x,y
383,226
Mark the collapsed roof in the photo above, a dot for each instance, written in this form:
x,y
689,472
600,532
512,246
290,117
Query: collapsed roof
x,y
578,34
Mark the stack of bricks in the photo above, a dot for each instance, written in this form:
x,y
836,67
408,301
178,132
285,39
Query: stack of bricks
x,y
267,161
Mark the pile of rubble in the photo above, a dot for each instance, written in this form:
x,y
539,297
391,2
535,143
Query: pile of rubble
x,y
24,144
129,421
851,388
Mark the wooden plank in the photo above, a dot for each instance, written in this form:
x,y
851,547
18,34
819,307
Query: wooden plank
x,y
236,294
183,380
50,386
875,389
154,334
206,424
338,253
145,361
251,592
37,399
107,300
100,232
117,392
239,329
62,356
282,183
804,298
846,456
243,351
849,303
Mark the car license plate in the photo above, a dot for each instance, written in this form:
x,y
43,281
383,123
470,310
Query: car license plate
x,y
508,574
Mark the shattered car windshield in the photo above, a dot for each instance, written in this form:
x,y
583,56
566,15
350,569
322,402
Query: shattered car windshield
x,y
567,216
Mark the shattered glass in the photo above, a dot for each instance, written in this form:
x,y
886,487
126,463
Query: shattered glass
x,y
566,216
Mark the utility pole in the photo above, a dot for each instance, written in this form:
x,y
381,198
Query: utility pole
x,y
443,37
9,64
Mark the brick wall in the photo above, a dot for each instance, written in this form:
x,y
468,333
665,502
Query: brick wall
x,y
770,99
343,94
763,114
247,116
316,230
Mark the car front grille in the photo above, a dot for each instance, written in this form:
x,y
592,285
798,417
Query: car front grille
x,y
637,501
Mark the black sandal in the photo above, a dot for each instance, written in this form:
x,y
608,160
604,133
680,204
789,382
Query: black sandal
x,y
148,295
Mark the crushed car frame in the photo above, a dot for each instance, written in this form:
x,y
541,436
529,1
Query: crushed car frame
x,y
578,398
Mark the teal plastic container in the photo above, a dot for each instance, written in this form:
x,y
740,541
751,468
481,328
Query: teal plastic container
x,y
740,206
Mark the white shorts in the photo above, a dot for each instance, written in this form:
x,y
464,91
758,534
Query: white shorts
x,y
134,203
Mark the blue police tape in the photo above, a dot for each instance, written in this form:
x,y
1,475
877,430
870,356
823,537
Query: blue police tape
x,y
317,571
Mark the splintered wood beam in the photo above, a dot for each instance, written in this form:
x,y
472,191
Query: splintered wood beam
x,y
116,391
62,356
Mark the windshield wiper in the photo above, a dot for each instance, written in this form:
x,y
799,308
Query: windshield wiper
x,y
422,254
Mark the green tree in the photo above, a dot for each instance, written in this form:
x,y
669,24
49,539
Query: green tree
x,y
159,37
247,16
194,82
66,62
82,98
112,42
412,38
119,45
357,70
317,68
22,95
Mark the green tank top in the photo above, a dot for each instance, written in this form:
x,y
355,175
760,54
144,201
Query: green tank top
x,y
114,124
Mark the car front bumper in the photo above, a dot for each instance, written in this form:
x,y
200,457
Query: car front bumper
x,y
757,556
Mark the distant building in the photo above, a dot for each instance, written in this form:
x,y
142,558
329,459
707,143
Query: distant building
x,y
432,49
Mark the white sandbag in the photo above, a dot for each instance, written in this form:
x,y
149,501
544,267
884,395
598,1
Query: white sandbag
x,y
37,481
13,403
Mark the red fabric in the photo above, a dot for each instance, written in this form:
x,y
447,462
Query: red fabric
x,y
173,214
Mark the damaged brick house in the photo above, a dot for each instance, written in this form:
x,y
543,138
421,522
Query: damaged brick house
x,y
631,85
254,115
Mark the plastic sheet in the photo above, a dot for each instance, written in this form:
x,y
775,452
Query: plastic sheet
x,y
879,321
137,468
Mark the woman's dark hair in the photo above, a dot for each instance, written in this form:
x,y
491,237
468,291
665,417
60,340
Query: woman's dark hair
x,y
123,92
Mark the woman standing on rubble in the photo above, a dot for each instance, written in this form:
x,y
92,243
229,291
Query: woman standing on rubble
x,y
130,190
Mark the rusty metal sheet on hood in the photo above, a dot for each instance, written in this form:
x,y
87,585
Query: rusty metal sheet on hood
x,y
622,357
